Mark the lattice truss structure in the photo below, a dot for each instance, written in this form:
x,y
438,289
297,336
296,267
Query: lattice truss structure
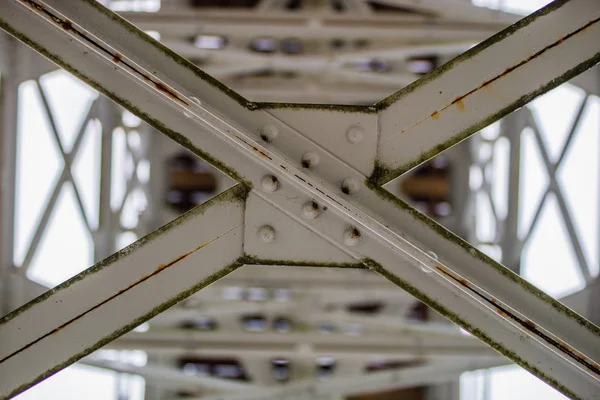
x,y
309,192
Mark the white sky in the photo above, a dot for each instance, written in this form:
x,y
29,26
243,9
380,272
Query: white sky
x,y
548,260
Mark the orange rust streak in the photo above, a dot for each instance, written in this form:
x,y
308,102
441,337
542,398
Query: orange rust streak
x,y
459,99
117,57
460,105
165,89
159,269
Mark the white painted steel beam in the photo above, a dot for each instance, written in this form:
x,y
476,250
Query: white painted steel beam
x,y
326,204
245,24
121,292
420,375
226,343
498,76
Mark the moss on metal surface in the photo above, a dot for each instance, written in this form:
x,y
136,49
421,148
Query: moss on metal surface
x,y
436,73
119,332
474,252
382,173
253,260
237,193
176,136
456,319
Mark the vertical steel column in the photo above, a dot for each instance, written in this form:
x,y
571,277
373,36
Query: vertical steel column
x,y
510,243
105,236
9,86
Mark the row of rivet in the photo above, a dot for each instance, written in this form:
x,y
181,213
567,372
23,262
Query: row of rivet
x,y
310,210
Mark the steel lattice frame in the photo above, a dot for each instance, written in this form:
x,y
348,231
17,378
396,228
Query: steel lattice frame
x,y
310,190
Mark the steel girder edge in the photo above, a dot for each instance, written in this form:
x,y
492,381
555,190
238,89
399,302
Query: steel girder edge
x,y
456,319
254,260
238,193
369,109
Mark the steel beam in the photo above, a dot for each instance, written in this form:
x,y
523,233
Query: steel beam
x,y
496,77
403,378
228,343
347,224
121,292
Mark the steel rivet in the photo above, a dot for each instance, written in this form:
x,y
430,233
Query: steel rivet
x,y
310,160
269,133
426,268
349,186
351,236
269,183
310,210
354,134
266,233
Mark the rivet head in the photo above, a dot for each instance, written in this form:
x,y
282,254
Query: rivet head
x,y
349,186
269,183
266,233
426,268
269,133
310,160
354,134
351,236
310,210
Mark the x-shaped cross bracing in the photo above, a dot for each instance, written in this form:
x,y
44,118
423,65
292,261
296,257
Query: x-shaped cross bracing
x,y
310,190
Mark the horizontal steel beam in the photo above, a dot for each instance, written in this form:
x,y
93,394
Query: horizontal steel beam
x,y
414,376
221,343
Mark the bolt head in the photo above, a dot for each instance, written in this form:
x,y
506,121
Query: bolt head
x,y
349,186
310,160
269,183
266,233
269,133
351,236
310,210
354,134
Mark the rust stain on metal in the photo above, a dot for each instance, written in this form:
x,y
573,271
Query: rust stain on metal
x,y
158,270
460,105
525,323
528,59
67,25
530,324
459,99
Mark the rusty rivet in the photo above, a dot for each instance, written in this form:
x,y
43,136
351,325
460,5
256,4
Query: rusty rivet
x,y
266,233
349,186
351,236
269,183
354,134
310,160
310,210
269,133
